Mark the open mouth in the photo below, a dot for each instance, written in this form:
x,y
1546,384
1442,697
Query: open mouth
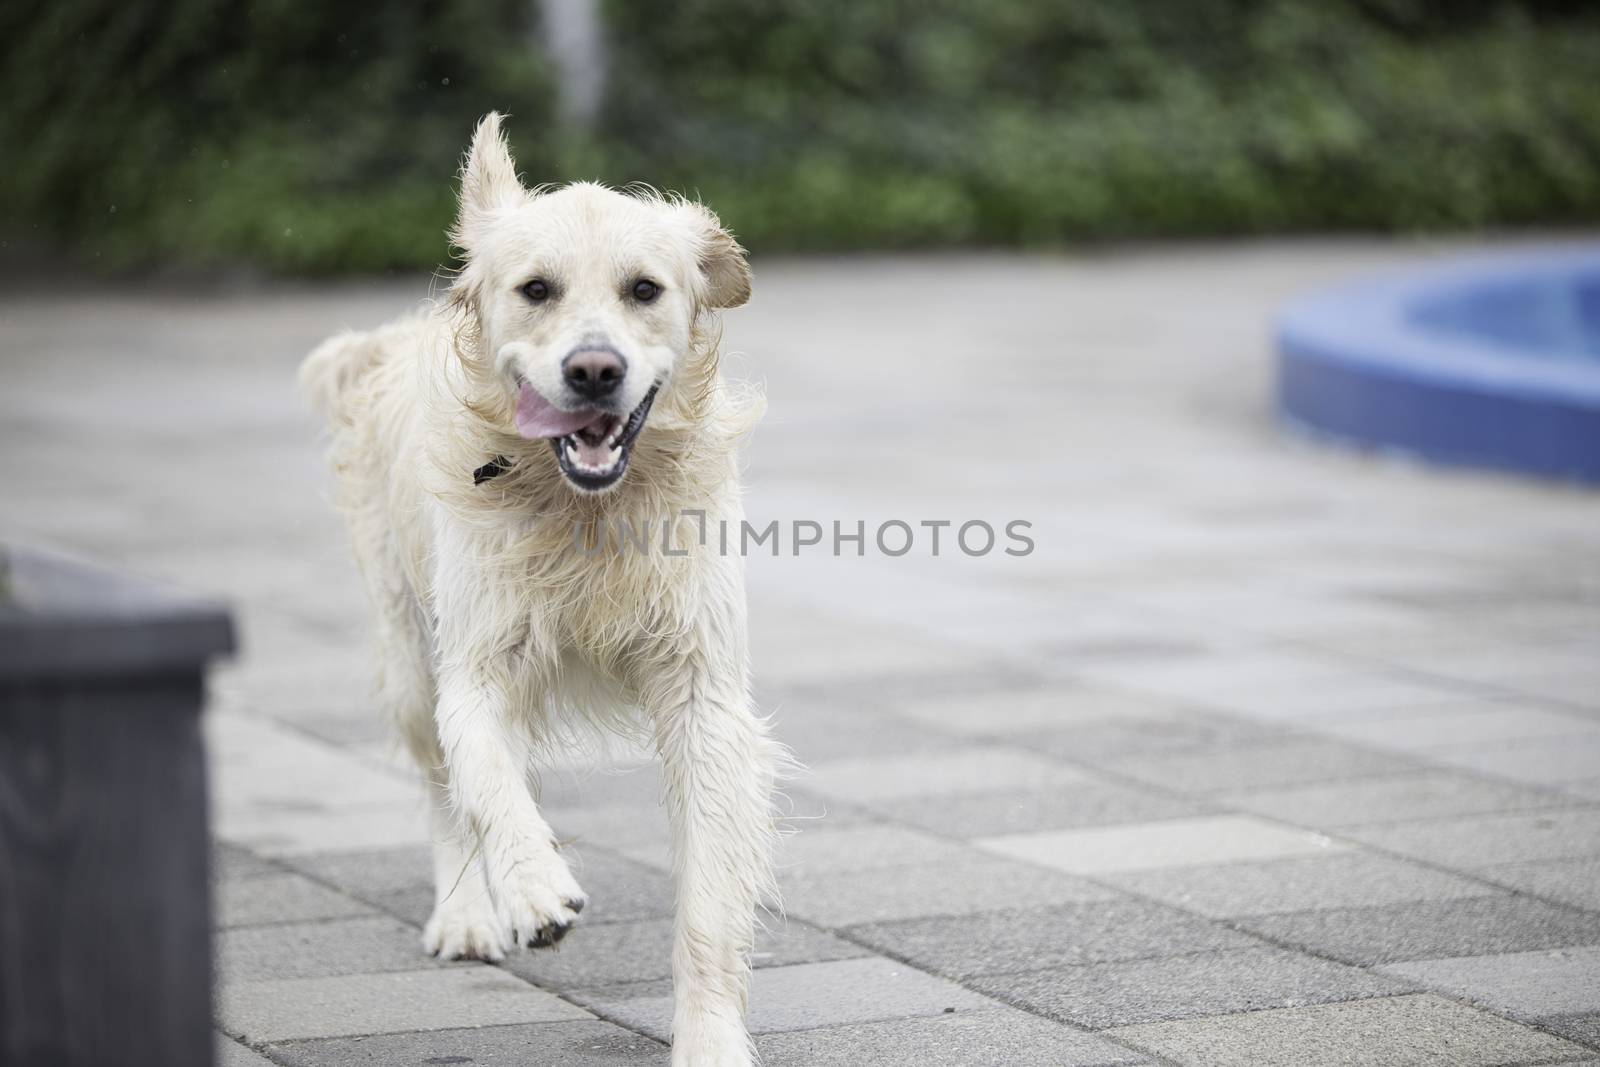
x,y
595,456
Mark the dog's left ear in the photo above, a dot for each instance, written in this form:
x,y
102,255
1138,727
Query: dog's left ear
x,y
488,182
721,260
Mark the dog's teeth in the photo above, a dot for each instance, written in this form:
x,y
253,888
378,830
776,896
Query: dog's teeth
x,y
572,454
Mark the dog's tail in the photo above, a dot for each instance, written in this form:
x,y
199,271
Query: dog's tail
x,y
333,368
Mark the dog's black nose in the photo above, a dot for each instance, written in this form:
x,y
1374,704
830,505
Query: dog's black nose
x,y
593,372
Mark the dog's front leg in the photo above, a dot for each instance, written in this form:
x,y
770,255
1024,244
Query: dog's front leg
x,y
718,766
535,896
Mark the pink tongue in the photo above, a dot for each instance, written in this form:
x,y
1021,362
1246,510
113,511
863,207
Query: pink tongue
x,y
537,417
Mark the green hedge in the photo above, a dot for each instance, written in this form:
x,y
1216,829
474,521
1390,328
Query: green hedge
x,y
1015,121
290,134
315,140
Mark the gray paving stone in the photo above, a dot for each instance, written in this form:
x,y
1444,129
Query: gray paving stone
x,y
1014,712
1475,926
1272,685
630,783
355,1004
331,683
277,898
799,645
1117,740
1069,807
347,726
396,880
281,830
310,950
821,846
1480,841
824,848
1584,1029
1523,984
1548,762
1575,882
1586,789
999,942
1579,689
1302,883
823,730
237,863
615,953
961,888
1135,640
1428,795
1440,730
283,793
1177,987
232,1054
970,769
655,854
620,889
1407,1031
801,809
1230,678
993,1036
563,1044
609,826
1166,843
802,997
883,690
1278,763
784,942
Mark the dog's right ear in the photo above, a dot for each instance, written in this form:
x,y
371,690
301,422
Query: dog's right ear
x,y
489,183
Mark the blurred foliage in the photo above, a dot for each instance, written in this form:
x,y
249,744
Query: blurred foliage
x,y
323,138
1028,122
298,135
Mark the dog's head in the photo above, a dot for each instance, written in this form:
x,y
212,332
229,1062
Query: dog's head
x,y
586,302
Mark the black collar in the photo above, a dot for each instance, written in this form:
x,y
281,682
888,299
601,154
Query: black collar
x,y
492,469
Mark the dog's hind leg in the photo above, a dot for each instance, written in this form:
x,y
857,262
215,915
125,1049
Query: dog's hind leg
x,y
718,764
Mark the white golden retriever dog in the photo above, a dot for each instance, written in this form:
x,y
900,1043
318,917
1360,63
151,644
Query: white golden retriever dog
x,y
569,380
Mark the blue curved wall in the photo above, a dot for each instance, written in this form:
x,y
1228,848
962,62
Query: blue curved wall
x,y
1490,362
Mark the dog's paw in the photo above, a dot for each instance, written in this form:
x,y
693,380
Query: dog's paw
x,y
464,930
710,1042
538,902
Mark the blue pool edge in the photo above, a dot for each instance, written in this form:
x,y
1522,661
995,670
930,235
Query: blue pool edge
x,y
1352,367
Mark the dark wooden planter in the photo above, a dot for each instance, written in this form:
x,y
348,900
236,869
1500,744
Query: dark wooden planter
x,y
105,915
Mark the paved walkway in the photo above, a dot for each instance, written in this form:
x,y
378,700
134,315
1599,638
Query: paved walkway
x,y
1267,754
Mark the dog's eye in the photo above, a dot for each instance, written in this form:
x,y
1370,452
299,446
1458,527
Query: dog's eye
x,y
537,290
645,290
